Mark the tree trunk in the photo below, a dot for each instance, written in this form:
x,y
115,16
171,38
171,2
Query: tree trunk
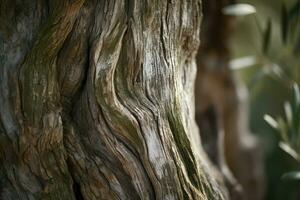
x,y
221,108
96,101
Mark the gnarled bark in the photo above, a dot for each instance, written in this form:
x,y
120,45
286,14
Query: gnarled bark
x,y
97,101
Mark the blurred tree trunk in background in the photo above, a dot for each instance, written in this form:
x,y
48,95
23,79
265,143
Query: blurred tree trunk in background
x,y
221,108
96,101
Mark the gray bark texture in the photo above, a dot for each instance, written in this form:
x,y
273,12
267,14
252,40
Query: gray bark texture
x,y
96,101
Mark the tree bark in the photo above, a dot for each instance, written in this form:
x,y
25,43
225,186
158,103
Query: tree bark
x,y
221,108
96,101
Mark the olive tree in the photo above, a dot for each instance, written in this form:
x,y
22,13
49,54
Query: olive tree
x,y
96,101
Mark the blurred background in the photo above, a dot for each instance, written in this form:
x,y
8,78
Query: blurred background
x,y
269,46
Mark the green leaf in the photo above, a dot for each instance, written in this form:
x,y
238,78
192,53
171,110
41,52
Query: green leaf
x,y
243,62
283,129
271,121
267,36
291,176
288,113
239,9
276,69
286,148
284,23
296,93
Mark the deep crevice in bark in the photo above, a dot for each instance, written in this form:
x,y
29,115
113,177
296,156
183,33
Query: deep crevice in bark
x,y
102,103
77,192
75,186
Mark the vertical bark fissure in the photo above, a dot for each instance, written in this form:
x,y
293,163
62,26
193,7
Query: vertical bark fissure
x,y
101,112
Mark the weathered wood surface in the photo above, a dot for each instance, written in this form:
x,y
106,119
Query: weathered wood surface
x,y
96,101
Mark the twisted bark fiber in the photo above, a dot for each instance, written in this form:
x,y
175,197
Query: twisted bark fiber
x,y
96,101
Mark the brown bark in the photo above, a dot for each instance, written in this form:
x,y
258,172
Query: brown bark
x,y
221,108
96,101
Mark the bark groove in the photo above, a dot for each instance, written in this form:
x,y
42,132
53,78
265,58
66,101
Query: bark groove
x,y
97,101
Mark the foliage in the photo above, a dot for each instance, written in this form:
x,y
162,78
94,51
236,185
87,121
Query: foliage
x,y
288,73
240,9
289,129
285,69
280,63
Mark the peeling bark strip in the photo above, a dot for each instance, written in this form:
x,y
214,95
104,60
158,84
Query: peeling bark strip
x,y
97,101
